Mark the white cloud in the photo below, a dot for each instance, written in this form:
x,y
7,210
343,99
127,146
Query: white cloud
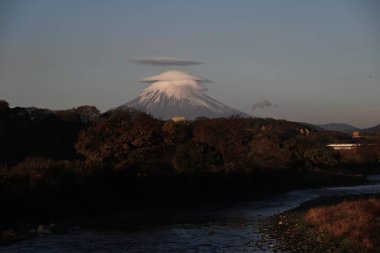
x,y
176,83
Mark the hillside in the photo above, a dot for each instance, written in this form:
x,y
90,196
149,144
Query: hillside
x,y
375,129
346,128
341,127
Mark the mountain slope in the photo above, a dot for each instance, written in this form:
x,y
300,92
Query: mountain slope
x,y
176,93
341,127
375,129
160,105
345,128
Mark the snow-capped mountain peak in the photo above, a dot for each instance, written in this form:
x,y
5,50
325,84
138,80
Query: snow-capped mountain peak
x,y
177,93
177,88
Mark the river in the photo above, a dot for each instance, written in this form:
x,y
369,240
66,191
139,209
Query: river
x,y
230,229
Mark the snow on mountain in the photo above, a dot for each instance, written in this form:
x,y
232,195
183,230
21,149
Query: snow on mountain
x,y
177,93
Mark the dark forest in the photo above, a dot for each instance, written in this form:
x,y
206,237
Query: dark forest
x,y
56,164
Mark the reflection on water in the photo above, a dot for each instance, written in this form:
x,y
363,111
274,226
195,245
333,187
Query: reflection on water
x,y
232,229
375,178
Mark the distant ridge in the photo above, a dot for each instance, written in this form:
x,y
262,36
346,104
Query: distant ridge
x,y
341,127
346,128
375,129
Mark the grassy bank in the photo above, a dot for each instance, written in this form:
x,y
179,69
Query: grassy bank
x,y
330,224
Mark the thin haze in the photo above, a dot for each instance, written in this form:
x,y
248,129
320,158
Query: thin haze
x,y
319,60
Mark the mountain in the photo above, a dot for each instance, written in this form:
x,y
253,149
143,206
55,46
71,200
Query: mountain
x,y
375,129
177,93
345,128
341,127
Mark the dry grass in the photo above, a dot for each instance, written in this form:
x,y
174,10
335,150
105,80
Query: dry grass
x,y
359,221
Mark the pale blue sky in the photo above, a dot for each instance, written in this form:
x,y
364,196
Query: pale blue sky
x,y
319,60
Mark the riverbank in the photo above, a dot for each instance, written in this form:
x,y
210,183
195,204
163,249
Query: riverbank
x,y
166,207
305,228
233,227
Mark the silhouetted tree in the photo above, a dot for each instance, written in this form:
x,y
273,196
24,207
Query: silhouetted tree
x,y
112,139
4,105
268,153
176,133
197,158
229,137
84,114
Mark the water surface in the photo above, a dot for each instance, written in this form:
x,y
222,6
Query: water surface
x,y
230,229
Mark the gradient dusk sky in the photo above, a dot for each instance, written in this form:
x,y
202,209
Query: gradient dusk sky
x,y
315,61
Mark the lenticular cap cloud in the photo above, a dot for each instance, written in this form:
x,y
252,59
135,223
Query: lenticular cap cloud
x,y
174,75
164,61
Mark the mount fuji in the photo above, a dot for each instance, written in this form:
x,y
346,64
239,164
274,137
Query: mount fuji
x,y
177,93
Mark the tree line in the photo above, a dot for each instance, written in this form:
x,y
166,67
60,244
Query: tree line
x,y
87,154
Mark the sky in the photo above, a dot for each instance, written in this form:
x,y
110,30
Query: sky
x,y
315,61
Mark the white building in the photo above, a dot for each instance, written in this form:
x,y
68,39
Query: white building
x,y
179,119
343,146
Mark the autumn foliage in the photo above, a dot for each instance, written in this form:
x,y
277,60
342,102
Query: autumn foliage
x,y
121,139
134,141
86,158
